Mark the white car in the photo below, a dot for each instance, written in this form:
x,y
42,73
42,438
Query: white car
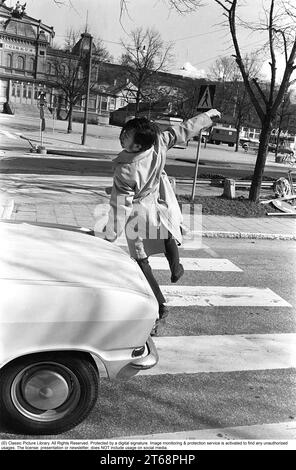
x,y
71,305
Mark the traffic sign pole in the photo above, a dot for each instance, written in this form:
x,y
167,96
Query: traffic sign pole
x,y
196,167
205,102
41,133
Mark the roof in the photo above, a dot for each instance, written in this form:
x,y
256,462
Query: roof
x,y
18,28
23,25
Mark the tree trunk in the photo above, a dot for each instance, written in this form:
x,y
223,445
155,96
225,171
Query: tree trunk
x,y
69,130
138,102
260,162
278,135
238,128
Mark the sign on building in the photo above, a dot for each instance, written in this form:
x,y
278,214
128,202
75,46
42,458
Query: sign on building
x,y
18,48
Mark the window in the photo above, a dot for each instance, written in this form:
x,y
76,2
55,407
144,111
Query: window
x,y
20,63
92,103
9,60
112,104
31,64
24,91
41,52
104,103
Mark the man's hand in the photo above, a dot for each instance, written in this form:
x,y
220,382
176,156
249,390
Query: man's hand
x,y
213,113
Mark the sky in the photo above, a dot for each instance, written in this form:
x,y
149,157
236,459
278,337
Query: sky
x,y
199,38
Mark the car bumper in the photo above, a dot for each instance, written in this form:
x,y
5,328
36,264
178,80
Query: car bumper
x,y
147,362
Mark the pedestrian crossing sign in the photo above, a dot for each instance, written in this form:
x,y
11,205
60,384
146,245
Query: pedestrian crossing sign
x,y
206,97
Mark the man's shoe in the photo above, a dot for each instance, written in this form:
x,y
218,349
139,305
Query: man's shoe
x,y
163,312
175,277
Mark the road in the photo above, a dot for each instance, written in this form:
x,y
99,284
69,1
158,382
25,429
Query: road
x,y
103,143
227,367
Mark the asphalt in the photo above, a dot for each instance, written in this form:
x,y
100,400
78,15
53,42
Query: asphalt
x,y
80,210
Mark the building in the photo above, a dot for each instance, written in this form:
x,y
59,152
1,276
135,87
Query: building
x,y
24,43
27,59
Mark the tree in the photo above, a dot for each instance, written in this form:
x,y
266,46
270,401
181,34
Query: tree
x,y
285,121
70,78
231,97
181,6
279,26
69,72
143,58
99,50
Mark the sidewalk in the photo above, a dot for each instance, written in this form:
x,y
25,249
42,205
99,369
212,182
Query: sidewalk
x,y
80,209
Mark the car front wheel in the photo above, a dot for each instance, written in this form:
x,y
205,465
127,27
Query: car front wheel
x,y
48,393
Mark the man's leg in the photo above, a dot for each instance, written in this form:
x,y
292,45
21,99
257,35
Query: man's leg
x,y
143,262
146,268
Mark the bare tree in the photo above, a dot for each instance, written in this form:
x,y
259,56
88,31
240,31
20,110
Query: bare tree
x,y
231,97
69,76
285,120
69,72
279,26
143,58
181,6
102,54
99,50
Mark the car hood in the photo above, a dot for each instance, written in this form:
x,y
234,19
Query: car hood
x,y
37,254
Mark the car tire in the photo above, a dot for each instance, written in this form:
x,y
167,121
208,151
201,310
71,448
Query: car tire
x,y
48,393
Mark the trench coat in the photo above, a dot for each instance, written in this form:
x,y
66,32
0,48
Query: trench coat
x,y
142,200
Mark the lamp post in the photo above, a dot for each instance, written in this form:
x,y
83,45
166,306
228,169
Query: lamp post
x,y
83,138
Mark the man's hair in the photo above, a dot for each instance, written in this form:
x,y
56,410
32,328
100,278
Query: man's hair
x,y
144,131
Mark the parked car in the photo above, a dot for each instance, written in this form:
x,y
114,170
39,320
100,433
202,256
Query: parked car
x,y
224,135
71,305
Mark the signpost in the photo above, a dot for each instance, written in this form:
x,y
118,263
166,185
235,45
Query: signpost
x,y
54,116
41,105
205,102
83,138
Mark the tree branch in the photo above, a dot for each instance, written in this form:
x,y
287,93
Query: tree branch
x,y
232,25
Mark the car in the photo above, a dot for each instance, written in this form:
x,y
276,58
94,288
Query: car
x,y
73,307
285,150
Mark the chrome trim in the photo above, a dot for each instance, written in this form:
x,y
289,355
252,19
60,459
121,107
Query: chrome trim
x,y
150,360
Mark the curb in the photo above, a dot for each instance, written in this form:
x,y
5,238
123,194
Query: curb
x,y
248,235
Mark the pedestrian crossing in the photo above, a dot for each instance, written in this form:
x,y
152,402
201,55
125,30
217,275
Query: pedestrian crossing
x,y
197,264
271,431
224,353
190,356
222,296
